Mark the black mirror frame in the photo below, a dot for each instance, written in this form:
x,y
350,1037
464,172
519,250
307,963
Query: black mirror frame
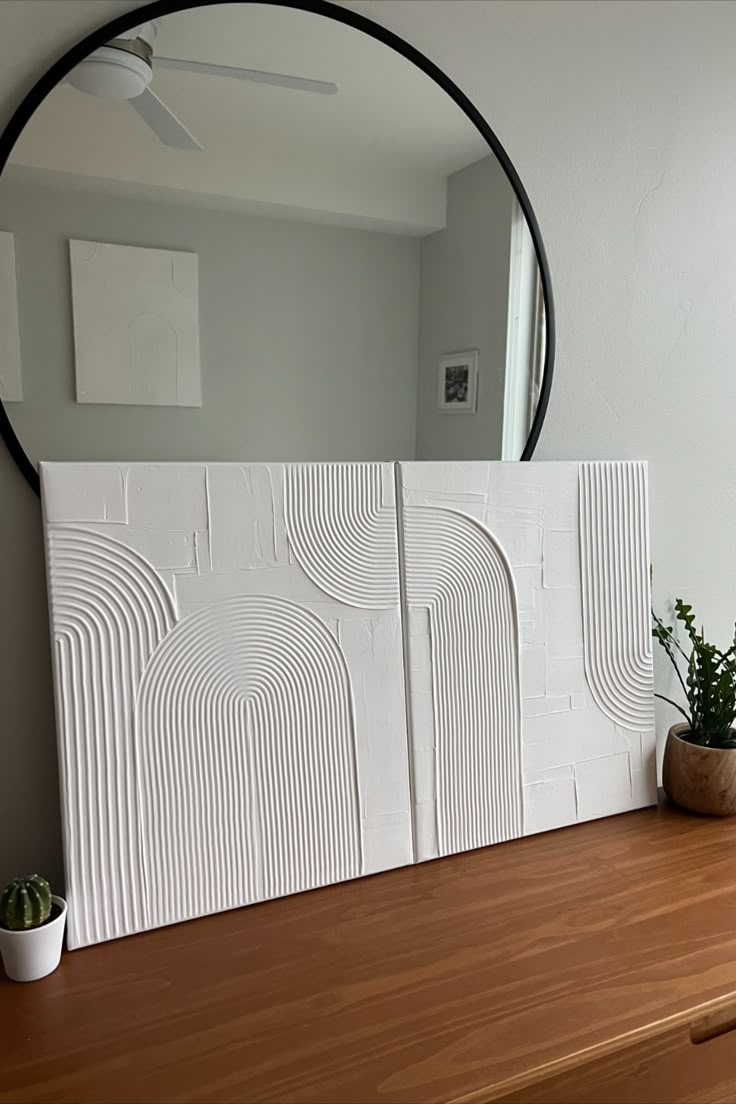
x,y
159,8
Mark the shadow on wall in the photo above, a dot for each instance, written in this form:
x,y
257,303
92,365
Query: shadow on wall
x,y
30,839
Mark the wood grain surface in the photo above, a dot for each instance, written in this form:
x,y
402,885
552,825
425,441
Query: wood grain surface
x,y
465,978
665,1069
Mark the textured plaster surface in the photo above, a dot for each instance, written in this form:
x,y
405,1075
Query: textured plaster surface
x,y
273,677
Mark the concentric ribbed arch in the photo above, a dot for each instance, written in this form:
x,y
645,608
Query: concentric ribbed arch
x,y
615,571
247,769
342,534
110,610
457,568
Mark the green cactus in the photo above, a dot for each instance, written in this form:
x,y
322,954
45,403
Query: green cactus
x,y
25,903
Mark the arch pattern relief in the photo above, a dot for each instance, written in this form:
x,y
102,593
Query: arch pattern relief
x,y
458,570
136,324
341,522
615,565
267,680
110,611
153,361
245,744
582,755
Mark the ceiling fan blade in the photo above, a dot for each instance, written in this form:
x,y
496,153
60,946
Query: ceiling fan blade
x,y
163,122
325,88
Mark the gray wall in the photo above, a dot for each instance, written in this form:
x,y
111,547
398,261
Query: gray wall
x,y
308,334
464,297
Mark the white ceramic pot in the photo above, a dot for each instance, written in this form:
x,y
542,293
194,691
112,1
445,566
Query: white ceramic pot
x,y
30,955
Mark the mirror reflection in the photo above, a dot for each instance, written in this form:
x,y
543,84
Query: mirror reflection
x,y
252,232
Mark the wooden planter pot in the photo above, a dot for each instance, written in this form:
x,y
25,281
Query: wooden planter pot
x,y
702,779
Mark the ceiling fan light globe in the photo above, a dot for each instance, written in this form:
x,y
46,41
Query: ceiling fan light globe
x,y
111,73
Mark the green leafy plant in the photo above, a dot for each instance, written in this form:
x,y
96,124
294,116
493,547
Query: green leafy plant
x,y
25,903
709,682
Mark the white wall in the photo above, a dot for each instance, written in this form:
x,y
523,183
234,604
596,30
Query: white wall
x,y
304,332
463,304
619,117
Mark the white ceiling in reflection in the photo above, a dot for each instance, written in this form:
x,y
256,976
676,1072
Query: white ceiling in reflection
x,y
377,154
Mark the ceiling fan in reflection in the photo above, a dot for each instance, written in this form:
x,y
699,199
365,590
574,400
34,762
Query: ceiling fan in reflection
x,y
123,70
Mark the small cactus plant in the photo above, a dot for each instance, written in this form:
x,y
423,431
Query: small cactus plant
x,y
25,903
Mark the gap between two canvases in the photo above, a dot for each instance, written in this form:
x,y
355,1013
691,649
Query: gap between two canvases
x,y
270,677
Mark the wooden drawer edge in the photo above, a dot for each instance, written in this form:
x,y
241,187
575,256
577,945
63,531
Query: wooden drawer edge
x,y
579,1058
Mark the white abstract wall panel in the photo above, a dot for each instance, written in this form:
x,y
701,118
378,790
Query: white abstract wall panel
x,y
136,325
247,759
465,706
230,729
584,746
615,564
230,649
110,613
11,385
343,526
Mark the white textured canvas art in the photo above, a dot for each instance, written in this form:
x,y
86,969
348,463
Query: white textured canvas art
x,y
228,662
11,385
136,325
530,659
235,647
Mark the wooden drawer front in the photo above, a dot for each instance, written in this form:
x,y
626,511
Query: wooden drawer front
x,y
665,1069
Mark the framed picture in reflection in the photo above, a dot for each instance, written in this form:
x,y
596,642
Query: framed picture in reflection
x,y
457,383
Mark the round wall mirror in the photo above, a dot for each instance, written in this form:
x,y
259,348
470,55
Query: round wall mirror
x,y
264,231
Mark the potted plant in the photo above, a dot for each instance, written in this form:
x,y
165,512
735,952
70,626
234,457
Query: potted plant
x,y
699,769
32,923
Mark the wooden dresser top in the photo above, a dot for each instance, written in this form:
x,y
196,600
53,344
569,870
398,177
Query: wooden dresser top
x,y
456,979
